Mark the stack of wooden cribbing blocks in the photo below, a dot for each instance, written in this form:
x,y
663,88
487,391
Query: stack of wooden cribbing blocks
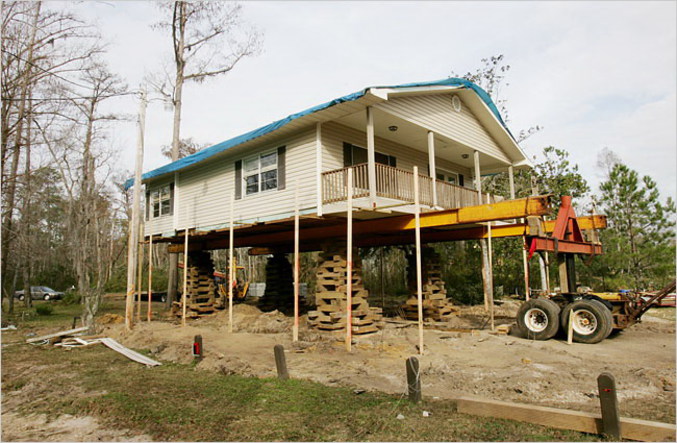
x,y
200,286
279,292
331,295
436,305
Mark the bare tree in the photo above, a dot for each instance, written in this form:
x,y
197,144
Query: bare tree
x,y
39,47
208,40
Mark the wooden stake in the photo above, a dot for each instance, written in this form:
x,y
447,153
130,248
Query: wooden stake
x,y
419,283
150,273
570,328
231,273
296,264
490,274
281,362
413,380
185,278
611,419
349,265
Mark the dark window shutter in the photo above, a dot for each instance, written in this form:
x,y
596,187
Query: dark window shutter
x,y
460,179
281,167
392,161
147,205
171,199
238,179
347,154
429,171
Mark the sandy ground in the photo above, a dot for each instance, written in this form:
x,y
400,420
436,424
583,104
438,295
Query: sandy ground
x,y
548,373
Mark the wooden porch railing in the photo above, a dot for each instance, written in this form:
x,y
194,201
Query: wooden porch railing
x,y
396,184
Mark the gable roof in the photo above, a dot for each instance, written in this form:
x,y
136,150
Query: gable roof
x,y
206,153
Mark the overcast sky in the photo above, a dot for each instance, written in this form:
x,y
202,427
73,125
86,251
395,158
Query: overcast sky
x,y
594,75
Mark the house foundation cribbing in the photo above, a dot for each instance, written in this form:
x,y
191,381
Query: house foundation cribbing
x,y
331,296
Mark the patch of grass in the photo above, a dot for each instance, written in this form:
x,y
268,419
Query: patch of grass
x,y
44,309
178,402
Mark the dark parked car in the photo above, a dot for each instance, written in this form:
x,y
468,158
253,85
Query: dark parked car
x,y
40,293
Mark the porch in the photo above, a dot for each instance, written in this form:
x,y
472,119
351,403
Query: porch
x,y
397,186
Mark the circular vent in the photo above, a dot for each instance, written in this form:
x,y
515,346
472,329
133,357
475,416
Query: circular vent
x,y
456,103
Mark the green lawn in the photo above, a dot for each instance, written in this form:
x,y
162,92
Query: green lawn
x,y
177,402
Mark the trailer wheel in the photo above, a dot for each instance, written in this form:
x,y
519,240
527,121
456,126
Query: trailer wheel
x,y
592,321
538,319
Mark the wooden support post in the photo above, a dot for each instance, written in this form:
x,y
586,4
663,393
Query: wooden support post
x,y
185,278
139,275
295,333
525,266
197,347
172,279
431,164
611,419
570,327
490,276
281,363
413,380
231,271
135,217
371,157
349,264
150,273
419,283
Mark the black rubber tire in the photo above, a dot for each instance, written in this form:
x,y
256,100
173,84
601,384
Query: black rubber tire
x,y
163,299
46,297
538,319
21,297
602,316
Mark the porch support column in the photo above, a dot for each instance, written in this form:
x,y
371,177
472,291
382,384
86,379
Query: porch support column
x,y
371,157
318,165
478,177
431,164
511,180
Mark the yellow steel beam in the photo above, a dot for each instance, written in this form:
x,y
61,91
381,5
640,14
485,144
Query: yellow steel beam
x,y
505,210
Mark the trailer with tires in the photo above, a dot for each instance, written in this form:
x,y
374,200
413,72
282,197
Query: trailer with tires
x,y
591,316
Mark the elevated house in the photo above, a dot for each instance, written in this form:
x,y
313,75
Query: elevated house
x,y
450,129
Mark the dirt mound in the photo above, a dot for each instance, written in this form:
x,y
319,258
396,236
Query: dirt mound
x,y
109,319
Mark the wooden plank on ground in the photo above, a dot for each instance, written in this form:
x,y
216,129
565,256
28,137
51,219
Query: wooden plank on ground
x,y
56,334
132,355
632,429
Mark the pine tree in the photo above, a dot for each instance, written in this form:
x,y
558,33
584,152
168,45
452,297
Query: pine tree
x,y
639,242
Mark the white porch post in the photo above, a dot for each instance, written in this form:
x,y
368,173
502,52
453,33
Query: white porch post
x,y
431,164
318,165
371,157
511,179
478,177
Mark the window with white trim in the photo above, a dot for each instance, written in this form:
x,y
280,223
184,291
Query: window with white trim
x,y
161,201
260,173
446,176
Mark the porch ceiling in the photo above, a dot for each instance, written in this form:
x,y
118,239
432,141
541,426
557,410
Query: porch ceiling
x,y
416,137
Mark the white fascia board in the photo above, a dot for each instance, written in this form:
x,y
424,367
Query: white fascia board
x,y
386,93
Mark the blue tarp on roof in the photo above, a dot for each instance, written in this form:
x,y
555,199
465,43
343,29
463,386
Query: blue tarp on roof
x,y
220,147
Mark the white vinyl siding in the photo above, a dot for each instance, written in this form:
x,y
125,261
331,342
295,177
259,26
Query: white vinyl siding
x,y
334,134
205,191
164,223
436,113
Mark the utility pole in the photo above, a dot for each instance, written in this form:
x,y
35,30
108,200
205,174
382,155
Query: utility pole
x,y
133,228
